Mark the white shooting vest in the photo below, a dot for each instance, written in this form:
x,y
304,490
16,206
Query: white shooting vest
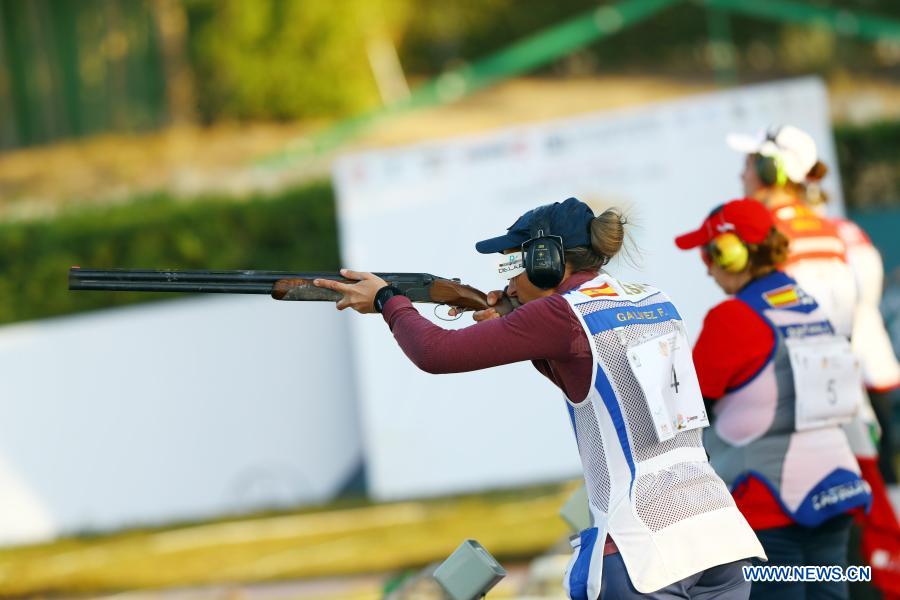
x,y
881,370
663,505
818,260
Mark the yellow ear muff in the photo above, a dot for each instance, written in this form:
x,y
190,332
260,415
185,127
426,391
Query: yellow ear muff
x,y
771,170
781,177
729,252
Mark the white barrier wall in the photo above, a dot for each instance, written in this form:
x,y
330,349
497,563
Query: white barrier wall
x,y
179,409
422,208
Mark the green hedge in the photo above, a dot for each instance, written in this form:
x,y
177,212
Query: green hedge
x,y
294,230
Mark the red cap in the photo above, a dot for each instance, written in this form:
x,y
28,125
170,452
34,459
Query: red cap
x,y
749,219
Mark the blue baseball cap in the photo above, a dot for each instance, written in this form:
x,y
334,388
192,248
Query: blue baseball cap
x,y
570,220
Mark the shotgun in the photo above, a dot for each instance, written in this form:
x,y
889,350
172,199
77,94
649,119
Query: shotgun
x,y
280,285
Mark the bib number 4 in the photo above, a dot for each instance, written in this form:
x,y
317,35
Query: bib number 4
x,y
674,379
665,371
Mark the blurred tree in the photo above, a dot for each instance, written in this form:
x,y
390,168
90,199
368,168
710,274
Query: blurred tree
x,y
170,20
17,71
75,67
280,59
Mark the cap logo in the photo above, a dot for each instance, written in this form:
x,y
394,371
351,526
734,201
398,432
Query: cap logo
x,y
511,265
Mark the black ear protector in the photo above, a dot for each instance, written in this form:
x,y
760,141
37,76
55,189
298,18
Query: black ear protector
x,y
729,252
544,254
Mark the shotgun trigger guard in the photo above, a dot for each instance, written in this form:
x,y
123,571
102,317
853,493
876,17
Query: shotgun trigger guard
x,y
456,318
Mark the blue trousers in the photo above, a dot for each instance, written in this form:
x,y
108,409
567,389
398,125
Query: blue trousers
x,y
795,545
723,582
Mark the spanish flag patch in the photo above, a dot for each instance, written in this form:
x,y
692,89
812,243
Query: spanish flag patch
x,y
784,297
603,290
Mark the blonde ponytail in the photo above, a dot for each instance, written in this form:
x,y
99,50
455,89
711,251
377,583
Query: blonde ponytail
x,y
608,233
607,237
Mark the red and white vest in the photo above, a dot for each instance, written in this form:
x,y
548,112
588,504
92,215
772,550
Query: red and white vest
x,y
813,473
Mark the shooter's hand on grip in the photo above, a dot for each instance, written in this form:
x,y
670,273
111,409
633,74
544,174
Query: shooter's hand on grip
x,y
500,305
359,296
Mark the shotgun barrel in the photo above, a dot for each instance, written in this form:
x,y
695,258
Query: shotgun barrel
x,y
281,285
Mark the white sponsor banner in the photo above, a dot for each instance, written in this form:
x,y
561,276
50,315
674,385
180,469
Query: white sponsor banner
x,y
422,208
181,409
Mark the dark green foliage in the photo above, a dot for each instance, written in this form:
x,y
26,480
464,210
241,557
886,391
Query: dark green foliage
x,y
674,42
882,226
444,34
870,163
294,230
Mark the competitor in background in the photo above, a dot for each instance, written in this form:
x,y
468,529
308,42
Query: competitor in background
x,y
881,370
775,439
664,524
777,164
834,260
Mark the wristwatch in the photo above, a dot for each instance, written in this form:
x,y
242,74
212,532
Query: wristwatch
x,y
385,294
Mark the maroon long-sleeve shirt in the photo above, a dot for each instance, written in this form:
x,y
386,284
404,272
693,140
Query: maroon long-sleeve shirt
x,y
544,331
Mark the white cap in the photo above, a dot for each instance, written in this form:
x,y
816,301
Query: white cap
x,y
793,147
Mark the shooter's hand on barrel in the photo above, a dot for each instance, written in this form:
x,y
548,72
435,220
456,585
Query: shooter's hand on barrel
x,y
359,296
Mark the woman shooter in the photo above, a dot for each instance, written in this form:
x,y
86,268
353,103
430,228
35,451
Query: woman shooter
x,y
664,524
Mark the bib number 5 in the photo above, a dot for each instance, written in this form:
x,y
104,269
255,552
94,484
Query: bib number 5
x,y
827,381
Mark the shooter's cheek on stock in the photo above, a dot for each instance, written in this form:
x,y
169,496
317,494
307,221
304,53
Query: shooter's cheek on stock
x,y
511,288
